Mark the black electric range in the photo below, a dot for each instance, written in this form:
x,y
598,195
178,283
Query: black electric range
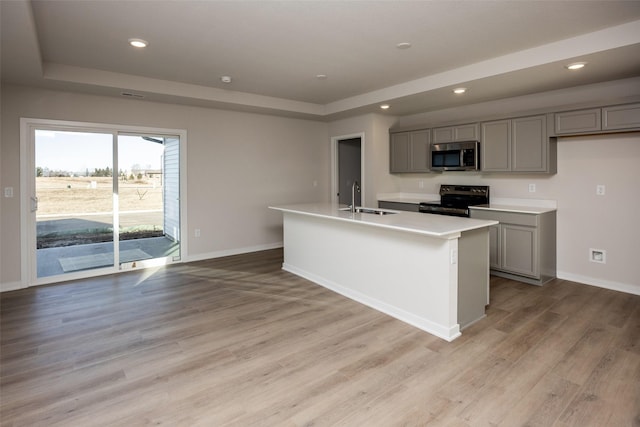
x,y
456,199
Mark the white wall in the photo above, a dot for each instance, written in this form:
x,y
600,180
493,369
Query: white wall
x,y
237,165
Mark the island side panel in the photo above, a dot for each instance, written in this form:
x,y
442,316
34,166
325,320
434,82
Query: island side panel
x,y
406,275
473,276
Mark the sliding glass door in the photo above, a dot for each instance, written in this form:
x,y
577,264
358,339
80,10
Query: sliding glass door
x,y
73,201
103,201
148,198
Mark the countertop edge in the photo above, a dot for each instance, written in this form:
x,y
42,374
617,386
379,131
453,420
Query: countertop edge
x,y
453,234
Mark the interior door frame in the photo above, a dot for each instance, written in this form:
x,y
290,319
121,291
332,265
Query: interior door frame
x,y
334,166
28,259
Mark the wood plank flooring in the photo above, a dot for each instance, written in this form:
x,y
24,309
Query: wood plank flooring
x,y
236,341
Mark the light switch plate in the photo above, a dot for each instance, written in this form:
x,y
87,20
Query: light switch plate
x,y
600,190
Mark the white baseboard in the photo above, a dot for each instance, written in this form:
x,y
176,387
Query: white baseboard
x,y
235,251
10,286
600,283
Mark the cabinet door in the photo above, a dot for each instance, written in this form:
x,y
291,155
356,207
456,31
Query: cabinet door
x,y
621,117
466,132
419,144
582,121
529,144
399,152
519,250
495,147
443,134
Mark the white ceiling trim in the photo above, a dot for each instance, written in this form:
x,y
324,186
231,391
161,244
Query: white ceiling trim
x,y
147,85
610,38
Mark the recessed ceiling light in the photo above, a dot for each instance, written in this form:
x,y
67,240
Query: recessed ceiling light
x,y
576,65
321,76
138,43
403,45
460,90
225,79
385,106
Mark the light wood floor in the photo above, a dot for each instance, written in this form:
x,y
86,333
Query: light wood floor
x,y
236,341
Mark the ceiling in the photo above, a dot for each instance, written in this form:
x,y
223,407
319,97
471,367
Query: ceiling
x,y
274,51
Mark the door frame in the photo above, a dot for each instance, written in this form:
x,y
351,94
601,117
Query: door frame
x,y
28,259
334,166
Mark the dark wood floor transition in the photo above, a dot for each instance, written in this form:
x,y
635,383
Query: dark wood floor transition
x,y
237,341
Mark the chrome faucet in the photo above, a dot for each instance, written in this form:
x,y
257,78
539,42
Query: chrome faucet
x,y
354,188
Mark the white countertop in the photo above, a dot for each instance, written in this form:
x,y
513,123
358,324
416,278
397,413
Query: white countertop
x,y
445,227
536,210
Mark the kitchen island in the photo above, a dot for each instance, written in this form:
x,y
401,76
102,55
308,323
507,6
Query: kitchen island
x,y
430,271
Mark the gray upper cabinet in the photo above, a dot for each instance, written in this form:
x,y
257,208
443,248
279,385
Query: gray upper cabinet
x,y
468,132
621,117
409,151
517,145
399,154
598,120
495,149
529,145
573,122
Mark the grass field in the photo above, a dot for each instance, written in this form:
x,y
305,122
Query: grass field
x,y
77,195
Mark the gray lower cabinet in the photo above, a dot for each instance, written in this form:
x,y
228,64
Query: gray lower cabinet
x,y
522,246
409,151
517,145
398,206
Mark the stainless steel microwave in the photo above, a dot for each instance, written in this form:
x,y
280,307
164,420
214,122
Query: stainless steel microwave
x,y
455,156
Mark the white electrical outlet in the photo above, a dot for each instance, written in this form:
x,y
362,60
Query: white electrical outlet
x,y
196,232
598,255
532,188
421,184
8,192
600,190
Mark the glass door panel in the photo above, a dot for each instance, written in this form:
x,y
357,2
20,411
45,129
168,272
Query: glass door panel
x,y
74,201
147,193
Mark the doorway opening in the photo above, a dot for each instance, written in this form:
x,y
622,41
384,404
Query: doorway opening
x,y
101,200
348,168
